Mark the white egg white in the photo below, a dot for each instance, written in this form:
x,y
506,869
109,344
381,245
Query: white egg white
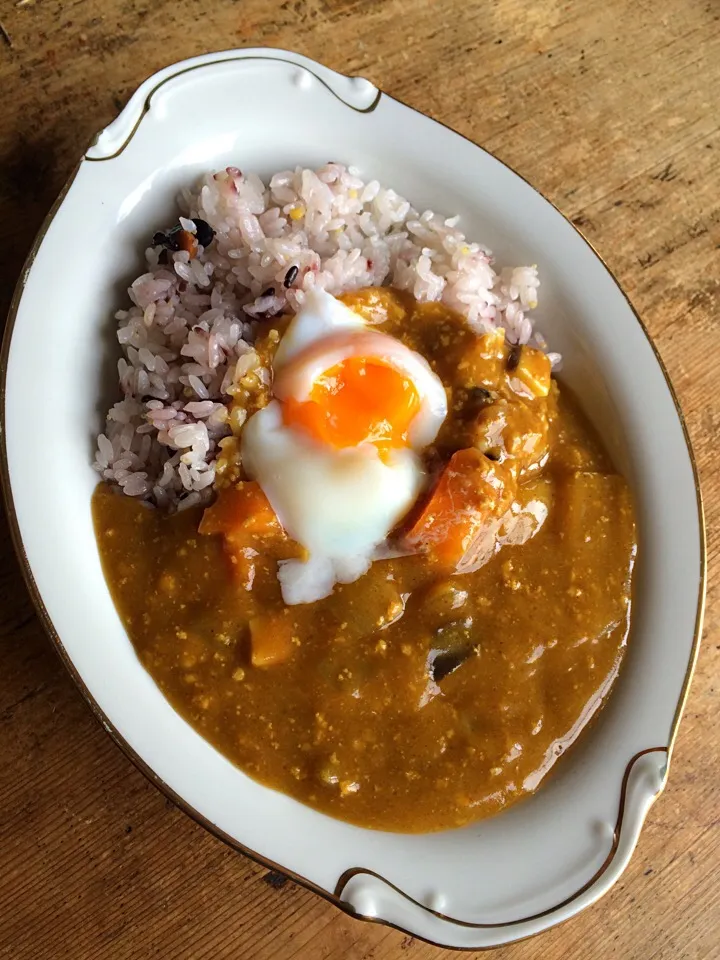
x,y
338,504
320,317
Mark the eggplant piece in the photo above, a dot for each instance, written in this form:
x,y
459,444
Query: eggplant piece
x,y
452,647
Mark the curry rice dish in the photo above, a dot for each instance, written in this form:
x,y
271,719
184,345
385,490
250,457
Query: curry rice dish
x,y
406,587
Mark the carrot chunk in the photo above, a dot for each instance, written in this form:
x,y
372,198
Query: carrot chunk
x,y
243,516
472,490
240,512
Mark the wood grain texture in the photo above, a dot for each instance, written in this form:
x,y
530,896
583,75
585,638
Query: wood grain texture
x,y
612,111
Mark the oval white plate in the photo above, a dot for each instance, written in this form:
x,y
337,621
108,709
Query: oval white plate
x,y
263,110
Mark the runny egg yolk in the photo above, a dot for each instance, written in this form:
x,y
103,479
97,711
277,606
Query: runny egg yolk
x,y
361,400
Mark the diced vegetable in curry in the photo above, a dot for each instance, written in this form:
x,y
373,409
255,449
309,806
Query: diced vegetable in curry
x,y
443,685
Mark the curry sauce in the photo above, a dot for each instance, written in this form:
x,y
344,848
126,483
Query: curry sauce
x,y
416,698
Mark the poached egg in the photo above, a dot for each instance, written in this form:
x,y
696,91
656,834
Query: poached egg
x,y
336,451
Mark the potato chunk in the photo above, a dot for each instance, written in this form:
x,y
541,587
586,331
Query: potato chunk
x,y
271,640
529,374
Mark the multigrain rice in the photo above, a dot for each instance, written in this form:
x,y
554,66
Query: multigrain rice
x,y
186,338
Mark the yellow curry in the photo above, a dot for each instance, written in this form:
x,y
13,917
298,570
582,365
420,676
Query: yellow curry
x,y
441,686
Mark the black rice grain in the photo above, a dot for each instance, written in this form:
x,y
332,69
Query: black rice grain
x,y
290,276
204,233
514,356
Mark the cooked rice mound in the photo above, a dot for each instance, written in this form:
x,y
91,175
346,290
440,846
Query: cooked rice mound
x,y
187,336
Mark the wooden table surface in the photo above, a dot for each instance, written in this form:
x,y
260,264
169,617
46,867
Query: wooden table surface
x,y
611,110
